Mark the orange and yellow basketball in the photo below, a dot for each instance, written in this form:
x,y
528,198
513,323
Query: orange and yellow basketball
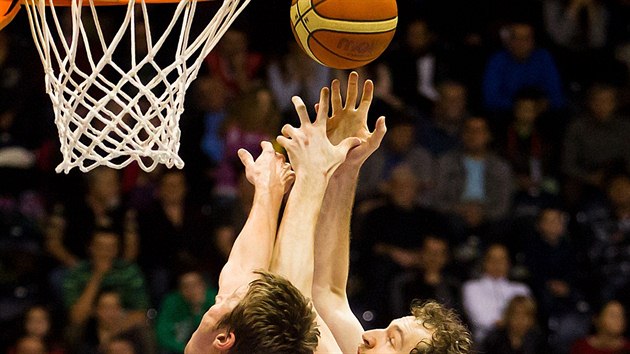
x,y
344,34
8,10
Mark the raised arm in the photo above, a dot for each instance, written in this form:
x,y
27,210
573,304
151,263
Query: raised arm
x,y
332,240
253,247
314,160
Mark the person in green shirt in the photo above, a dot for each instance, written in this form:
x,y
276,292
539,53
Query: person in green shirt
x,y
181,311
105,270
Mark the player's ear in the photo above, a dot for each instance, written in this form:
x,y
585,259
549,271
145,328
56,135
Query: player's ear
x,y
224,341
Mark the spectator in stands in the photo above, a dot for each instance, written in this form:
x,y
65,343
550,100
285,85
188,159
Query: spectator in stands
x,y
295,74
441,132
530,155
607,230
181,311
72,223
235,63
596,144
473,184
104,269
417,66
551,261
521,64
391,239
517,332
173,231
252,118
610,323
109,320
485,299
399,148
202,130
428,279
555,276
579,30
37,324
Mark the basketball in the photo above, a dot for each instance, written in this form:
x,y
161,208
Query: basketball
x,y
8,10
344,34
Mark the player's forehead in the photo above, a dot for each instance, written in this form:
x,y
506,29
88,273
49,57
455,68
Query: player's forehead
x,y
411,331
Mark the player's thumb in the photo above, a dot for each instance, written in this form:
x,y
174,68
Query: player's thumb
x,y
246,157
349,143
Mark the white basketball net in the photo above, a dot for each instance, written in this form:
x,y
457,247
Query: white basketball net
x,y
131,118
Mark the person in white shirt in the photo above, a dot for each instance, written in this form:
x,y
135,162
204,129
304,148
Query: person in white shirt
x,y
484,299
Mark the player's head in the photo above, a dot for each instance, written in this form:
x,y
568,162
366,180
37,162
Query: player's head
x,y
431,329
271,317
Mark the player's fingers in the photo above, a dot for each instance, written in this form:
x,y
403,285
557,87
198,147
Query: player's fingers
x,y
300,108
288,131
282,141
353,90
379,131
367,95
246,158
335,96
348,143
266,146
324,98
281,157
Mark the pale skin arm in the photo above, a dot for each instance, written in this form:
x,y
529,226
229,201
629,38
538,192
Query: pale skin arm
x,y
332,240
271,176
253,247
314,160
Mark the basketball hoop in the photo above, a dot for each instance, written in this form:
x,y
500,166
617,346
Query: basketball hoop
x,y
132,117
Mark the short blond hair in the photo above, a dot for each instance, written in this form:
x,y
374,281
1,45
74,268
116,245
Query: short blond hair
x,y
273,317
449,335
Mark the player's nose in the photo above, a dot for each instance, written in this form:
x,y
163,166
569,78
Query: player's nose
x,y
369,339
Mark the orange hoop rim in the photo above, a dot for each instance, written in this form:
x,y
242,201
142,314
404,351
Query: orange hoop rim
x,y
106,2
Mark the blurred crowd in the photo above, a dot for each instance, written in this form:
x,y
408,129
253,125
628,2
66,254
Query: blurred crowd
x,y
502,188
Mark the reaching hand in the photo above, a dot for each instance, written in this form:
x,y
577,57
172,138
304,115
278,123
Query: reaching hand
x,y
351,121
270,170
308,147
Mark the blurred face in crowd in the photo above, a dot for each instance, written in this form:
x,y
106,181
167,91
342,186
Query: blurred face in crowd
x,y
104,246
521,315
434,254
521,41
37,322
602,103
210,94
403,186
104,184
611,320
619,191
401,336
552,225
496,262
173,187
475,135
193,288
419,37
526,111
451,105
401,137
109,310
234,42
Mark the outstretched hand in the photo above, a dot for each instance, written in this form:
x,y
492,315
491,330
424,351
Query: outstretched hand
x,y
348,120
269,170
308,146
